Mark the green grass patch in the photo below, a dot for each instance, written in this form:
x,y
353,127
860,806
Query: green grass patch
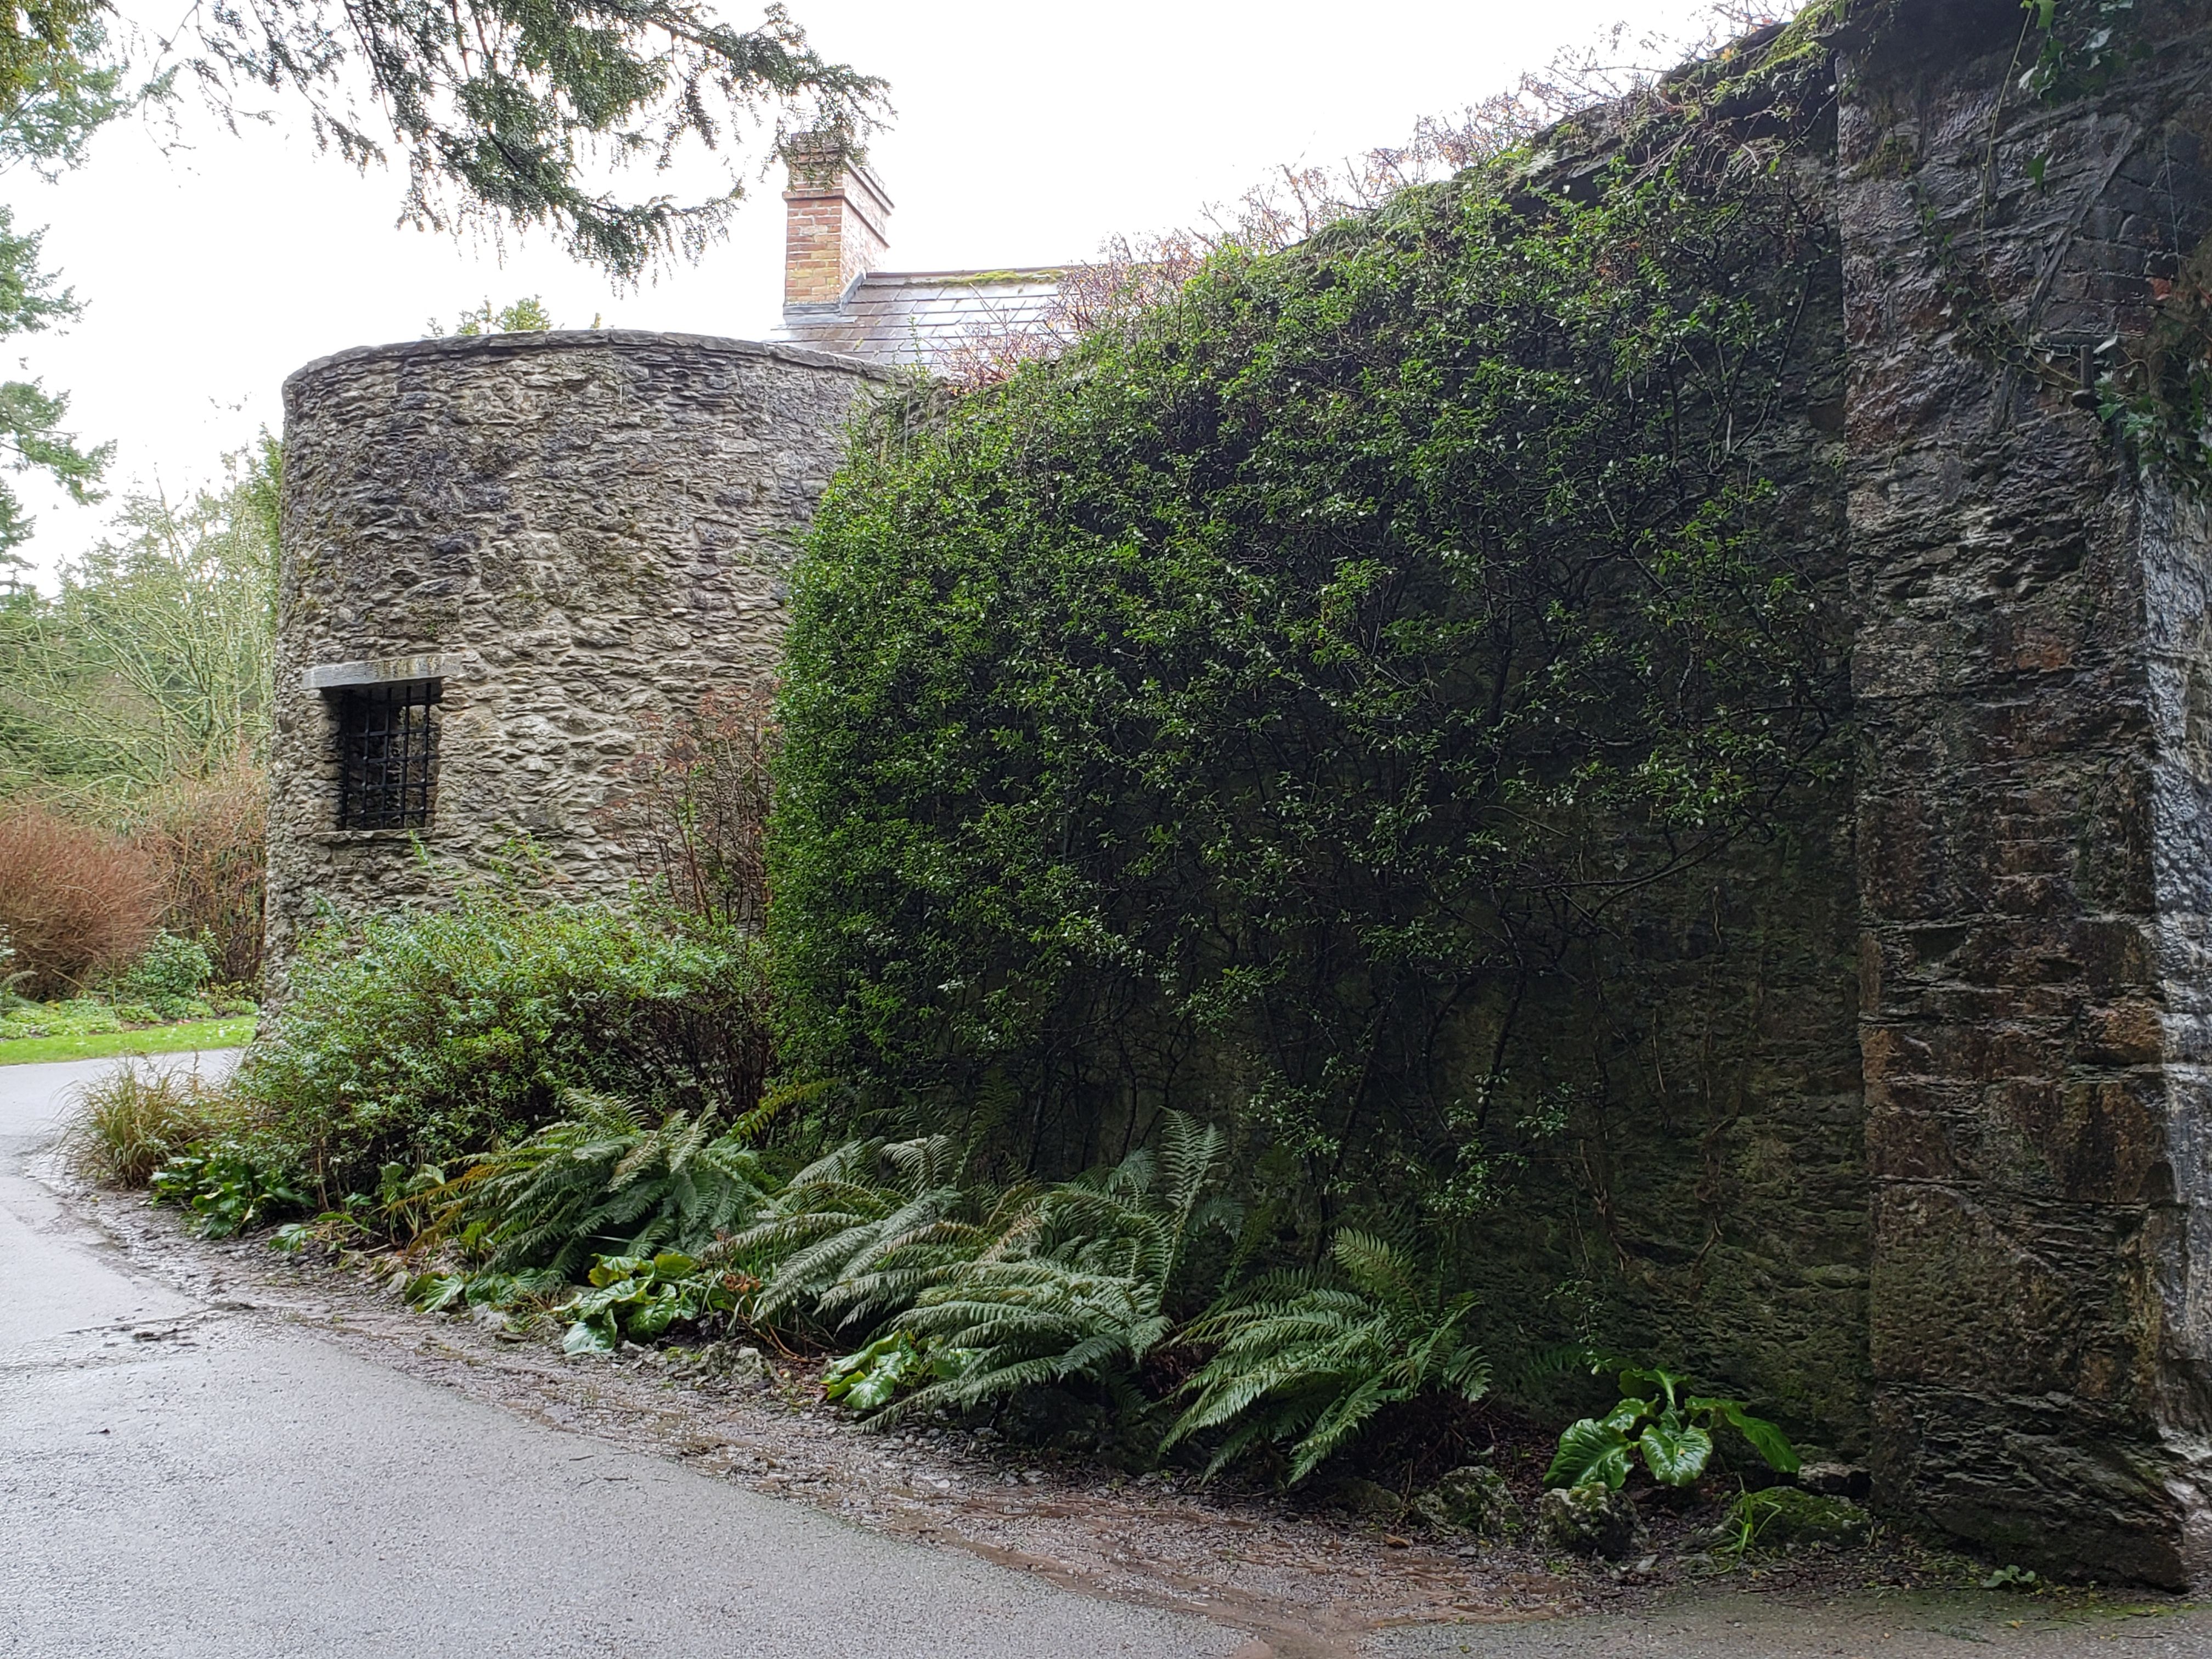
x,y
151,1040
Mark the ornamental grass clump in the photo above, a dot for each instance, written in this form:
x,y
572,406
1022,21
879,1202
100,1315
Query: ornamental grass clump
x,y
123,1127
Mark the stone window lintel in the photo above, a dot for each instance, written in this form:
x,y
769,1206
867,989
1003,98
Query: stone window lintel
x,y
381,671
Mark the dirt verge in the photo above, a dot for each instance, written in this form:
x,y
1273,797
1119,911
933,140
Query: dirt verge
x,y
1312,1582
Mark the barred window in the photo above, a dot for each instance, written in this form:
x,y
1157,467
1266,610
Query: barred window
x,y
388,754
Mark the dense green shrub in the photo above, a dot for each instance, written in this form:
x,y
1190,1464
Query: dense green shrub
x,y
1262,708
419,1038
170,977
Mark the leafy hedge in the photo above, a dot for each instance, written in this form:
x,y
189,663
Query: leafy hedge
x,y
416,1039
1258,709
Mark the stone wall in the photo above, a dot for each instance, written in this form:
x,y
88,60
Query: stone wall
x,y
2032,677
1966,1242
575,534
1707,1192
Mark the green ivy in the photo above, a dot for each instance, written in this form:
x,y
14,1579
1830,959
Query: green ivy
x,y
1254,708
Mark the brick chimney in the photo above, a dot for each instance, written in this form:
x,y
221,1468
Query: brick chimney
x,y
836,221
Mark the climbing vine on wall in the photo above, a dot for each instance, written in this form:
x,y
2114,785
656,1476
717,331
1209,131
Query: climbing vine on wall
x,y
1256,708
2157,392
2161,401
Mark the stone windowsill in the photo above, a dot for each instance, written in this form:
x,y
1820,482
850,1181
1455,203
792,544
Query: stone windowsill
x,y
357,837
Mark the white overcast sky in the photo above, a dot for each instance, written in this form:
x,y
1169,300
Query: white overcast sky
x,y
1024,133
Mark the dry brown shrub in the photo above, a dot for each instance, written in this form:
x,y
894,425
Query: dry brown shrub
x,y
74,900
209,839
693,809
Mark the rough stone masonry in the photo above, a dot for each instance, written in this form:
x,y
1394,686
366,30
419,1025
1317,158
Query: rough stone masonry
x,y
545,540
565,538
2031,677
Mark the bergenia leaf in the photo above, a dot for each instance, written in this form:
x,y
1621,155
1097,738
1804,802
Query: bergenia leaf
x,y
1674,1451
1590,1453
587,1339
1628,1414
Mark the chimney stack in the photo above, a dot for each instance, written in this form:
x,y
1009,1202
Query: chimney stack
x,y
836,221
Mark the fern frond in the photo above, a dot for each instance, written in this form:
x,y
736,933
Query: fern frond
x,y
1307,1359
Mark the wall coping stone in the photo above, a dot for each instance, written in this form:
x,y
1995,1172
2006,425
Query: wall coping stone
x,y
505,345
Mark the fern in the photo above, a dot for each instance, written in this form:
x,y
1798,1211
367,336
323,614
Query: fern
x,y
603,1181
856,1237
1076,1287
1309,1356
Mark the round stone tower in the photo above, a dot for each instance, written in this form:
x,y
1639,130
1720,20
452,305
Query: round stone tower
x,y
503,556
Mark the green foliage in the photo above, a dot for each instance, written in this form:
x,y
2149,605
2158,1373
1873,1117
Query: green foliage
x,y
603,1180
2161,401
123,1126
423,1038
638,1299
1270,699
58,84
154,662
514,115
34,422
871,1379
1306,1359
527,315
1674,1434
1076,1288
69,1017
856,1236
56,96
2078,45
226,1187
171,978
1785,1517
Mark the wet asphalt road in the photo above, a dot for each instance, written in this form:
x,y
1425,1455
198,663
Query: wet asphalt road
x,y
182,1480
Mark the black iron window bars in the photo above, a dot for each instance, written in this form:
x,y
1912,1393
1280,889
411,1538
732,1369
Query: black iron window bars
x,y
388,754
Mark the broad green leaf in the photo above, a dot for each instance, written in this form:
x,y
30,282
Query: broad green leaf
x,y
584,1338
840,1376
609,1268
1628,1414
952,1362
435,1293
1766,1438
1668,1380
877,1386
673,1264
651,1318
1674,1451
1590,1453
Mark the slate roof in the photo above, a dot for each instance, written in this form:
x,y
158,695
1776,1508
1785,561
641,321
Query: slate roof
x,y
918,317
